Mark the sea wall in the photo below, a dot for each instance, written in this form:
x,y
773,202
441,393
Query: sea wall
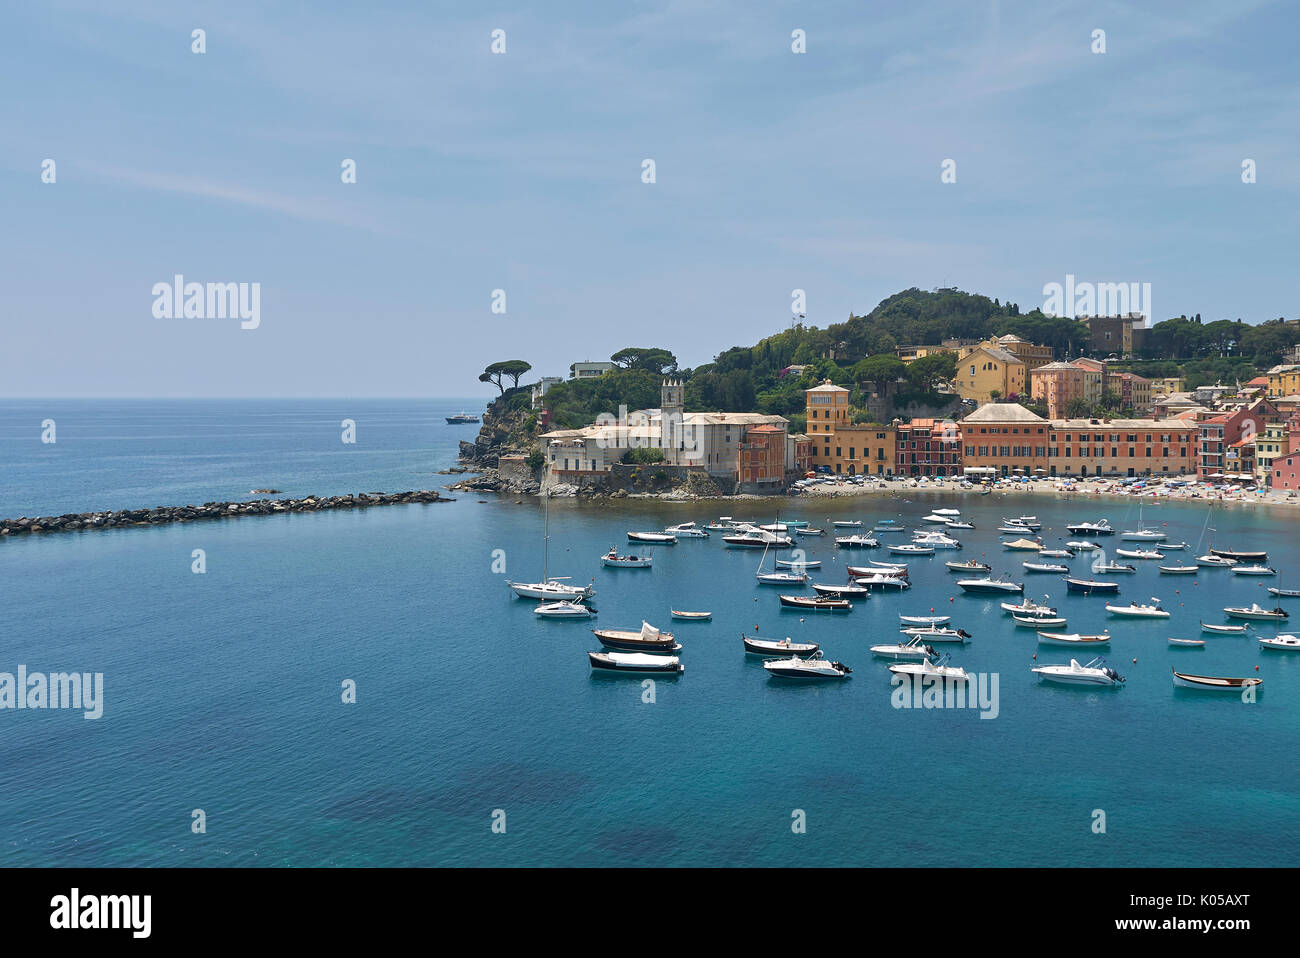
x,y
162,515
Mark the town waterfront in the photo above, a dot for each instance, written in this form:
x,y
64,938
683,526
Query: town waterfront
x,y
222,690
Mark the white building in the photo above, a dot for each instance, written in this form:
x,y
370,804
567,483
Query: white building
x,y
589,369
539,388
710,440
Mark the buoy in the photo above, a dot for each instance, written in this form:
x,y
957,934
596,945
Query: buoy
x,y
1035,656
1135,661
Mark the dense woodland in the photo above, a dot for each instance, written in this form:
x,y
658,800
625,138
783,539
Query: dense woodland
x,y
859,354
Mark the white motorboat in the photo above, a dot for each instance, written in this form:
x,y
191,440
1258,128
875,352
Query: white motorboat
x,y
911,549
935,517
876,567
882,581
1213,683
1179,569
755,538
956,524
1223,629
1283,593
925,619
937,633
687,530
1256,612
850,590
778,647
1135,610
1171,546
1024,522
1073,639
927,669
1100,528
775,527
1045,567
1056,553
1082,545
1253,570
564,610
1282,643
810,532
946,512
1213,561
798,563
989,584
813,667
1096,672
634,662
1139,553
1028,607
971,565
888,526
914,649
847,523
657,538
616,561
1014,529
1143,535
1112,567
1039,621
857,542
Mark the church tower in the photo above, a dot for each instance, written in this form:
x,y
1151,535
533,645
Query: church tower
x,y
672,435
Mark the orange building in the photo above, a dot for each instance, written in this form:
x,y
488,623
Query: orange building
x,y
928,447
1056,384
760,456
1007,438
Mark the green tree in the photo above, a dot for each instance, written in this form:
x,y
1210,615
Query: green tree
x,y
652,359
496,373
883,368
928,372
1077,408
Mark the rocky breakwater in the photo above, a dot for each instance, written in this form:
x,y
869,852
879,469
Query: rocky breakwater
x,y
162,515
491,480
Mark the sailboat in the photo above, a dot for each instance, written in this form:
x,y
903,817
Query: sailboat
x,y
1142,533
551,588
777,577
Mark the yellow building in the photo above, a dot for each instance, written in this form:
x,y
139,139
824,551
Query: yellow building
x,y
1283,380
909,353
984,370
1030,354
844,447
1167,385
1272,443
1094,380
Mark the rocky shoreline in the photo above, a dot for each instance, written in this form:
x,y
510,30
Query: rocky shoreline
x,y
163,515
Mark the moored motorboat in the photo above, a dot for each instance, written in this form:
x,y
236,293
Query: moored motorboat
x,y
850,590
911,548
959,524
813,667
1256,612
657,538
799,563
937,633
1023,545
946,512
564,609
1143,535
1099,528
1238,555
1038,621
935,671
877,567
925,619
1102,568
810,532
646,639
552,590
1253,570
847,523
912,649
1139,553
1056,553
1281,643
1213,683
1212,561
777,647
1179,569
1073,639
634,662
989,584
1091,586
936,540
1045,567
1283,593
1137,610
816,603
969,566
1096,672
1223,629
1081,545
857,542
754,538
1028,607
888,526
613,560
882,580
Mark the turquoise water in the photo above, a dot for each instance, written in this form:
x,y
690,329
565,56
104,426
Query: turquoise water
x,y
222,690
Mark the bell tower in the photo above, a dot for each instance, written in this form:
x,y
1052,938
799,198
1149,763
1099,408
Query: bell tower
x,y
672,435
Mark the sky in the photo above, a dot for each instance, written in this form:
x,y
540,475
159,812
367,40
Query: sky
x,y
522,171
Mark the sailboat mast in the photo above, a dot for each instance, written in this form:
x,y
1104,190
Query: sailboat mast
x,y
546,537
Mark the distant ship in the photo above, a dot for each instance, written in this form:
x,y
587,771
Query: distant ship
x,y
463,418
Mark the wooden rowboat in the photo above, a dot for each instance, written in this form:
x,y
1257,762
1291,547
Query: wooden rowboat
x,y
1187,643
691,616
1213,683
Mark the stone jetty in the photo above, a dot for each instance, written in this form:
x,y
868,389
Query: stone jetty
x,y
162,515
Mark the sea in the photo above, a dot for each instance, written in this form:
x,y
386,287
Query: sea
x,y
361,688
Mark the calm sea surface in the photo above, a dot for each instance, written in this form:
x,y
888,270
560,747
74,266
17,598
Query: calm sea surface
x,y
222,690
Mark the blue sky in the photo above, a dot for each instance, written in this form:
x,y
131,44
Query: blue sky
x,y
522,172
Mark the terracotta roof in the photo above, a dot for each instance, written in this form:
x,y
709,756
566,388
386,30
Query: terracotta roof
x,y
1003,412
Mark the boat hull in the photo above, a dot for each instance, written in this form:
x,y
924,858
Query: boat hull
x,y
635,664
